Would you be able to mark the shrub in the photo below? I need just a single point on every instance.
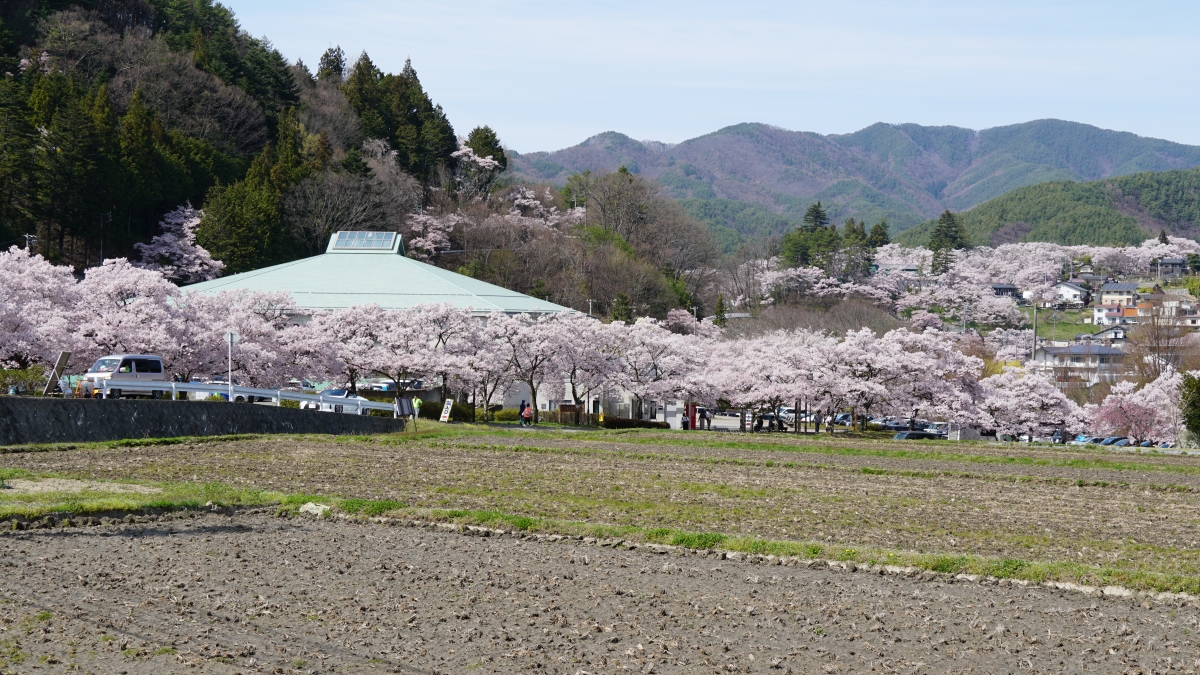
(460, 412)
(506, 415)
(215, 397)
(288, 403)
(26, 380)
(624, 423)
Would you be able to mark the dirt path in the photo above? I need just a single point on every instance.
(257, 593)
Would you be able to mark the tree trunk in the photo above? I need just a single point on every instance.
(533, 400)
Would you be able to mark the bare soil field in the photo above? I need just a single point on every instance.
(1087, 515)
(270, 590)
(256, 592)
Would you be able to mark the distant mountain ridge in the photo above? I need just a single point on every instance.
(907, 173)
(1117, 211)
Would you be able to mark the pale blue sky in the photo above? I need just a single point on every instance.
(546, 75)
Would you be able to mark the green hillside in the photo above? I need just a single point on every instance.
(1124, 210)
(906, 173)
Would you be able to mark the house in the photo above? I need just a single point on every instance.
(1106, 315)
(1085, 364)
(1086, 268)
(1071, 294)
(1006, 290)
(1113, 336)
(1172, 267)
(1118, 294)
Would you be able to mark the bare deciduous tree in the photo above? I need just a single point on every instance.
(330, 201)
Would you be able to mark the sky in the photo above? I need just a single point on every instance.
(547, 75)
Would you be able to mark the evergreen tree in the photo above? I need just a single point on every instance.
(948, 236)
(332, 64)
(621, 310)
(719, 314)
(1189, 404)
(879, 235)
(242, 226)
(813, 243)
(854, 234)
(484, 142)
(1162, 237)
(16, 148)
(815, 218)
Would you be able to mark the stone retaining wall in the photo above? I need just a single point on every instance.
(25, 420)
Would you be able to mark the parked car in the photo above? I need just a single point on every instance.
(338, 401)
(1146, 444)
(1124, 442)
(918, 436)
(1111, 439)
(1081, 440)
(843, 419)
(118, 368)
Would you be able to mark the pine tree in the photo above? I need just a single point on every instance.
(1162, 237)
(16, 144)
(854, 234)
(719, 314)
(332, 64)
(621, 310)
(879, 235)
(484, 142)
(948, 236)
(815, 218)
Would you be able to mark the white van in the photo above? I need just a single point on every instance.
(124, 368)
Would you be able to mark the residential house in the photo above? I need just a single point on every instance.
(1006, 290)
(1086, 364)
(1113, 336)
(1118, 294)
(1172, 267)
(1071, 294)
(1106, 315)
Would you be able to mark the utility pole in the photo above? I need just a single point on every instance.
(30, 240)
(590, 301)
(104, 218)
(1033, 354)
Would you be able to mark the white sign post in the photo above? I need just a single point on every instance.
(230, 338)
(446, 409)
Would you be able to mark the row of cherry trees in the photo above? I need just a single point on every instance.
(120, 308)
(963, 295)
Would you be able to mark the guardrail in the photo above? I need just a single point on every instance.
(236, 393)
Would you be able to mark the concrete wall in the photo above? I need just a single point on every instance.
(48, 420)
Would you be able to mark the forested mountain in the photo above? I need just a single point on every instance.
(1117, 211)
(114, 113)
(906, 173)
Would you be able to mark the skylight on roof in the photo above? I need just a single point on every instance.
(363, 241)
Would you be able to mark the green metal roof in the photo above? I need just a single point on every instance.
(343, 278)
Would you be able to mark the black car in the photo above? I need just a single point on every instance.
(918, 436)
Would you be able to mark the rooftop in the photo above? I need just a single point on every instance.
(360, 268)
(1082, 350)
(1120, 288)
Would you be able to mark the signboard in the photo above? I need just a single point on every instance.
(55, 374)
(446, 409)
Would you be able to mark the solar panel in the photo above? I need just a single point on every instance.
(358, 241)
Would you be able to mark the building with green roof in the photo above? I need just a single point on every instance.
(361, 268)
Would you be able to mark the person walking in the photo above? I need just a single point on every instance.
(521, 413)
(527, 416)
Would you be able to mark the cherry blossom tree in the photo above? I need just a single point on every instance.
(1150, 412)
(423, 342)
(486, 368)
(38, 305)
(584, 357)
(124, 309)
(531, 346)
(651, 362)
(175, 252)
(1020, 402)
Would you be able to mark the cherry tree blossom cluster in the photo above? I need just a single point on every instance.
(963, 296)
(930, 373)
(175, 252)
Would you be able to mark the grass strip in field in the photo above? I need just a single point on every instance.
(174, 496)
(927, 455)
